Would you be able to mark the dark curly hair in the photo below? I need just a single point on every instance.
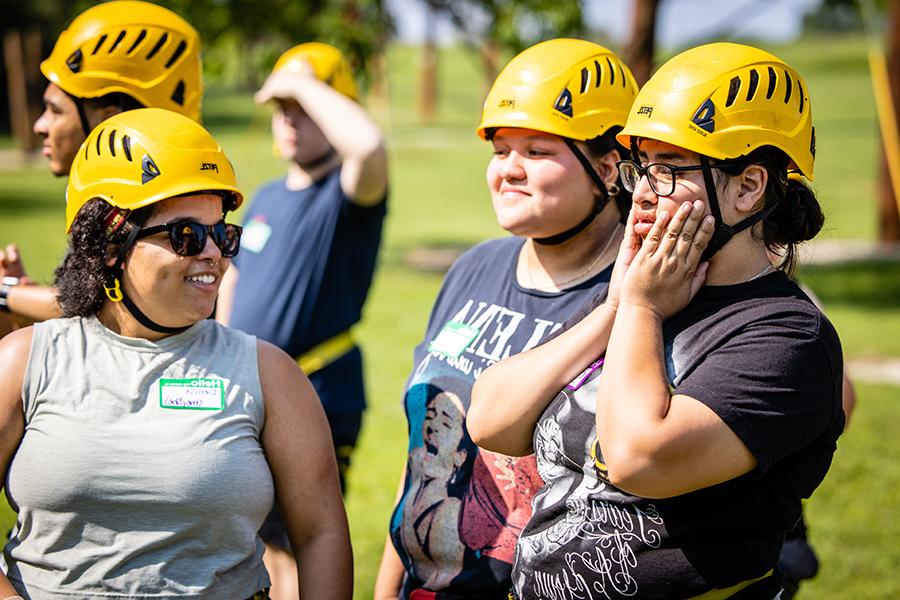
(80, 277)
(796, 215)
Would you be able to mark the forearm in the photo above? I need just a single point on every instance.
(325, 565)
(345, 124)
(390, 573)
(6, 588)
(509, 398)
(33, 302)
(633, 395)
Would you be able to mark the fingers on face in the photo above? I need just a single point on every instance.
(701, 239)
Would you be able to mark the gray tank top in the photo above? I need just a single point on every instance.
(140, 473)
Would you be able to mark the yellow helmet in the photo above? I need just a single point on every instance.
(143, 156)
(572, 88)
(724, 100)
(327, 62)
(133, 47)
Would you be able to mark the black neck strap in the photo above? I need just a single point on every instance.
(600, 201)
(113, 283)
(724, 232)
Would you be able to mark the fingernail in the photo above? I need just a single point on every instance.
(709, 219)
(698, 205)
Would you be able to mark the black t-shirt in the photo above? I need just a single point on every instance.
(769, 364)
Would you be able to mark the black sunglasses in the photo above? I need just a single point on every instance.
(188, 238)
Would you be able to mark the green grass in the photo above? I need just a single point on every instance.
(439, 197)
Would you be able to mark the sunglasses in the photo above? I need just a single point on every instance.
(188, 238)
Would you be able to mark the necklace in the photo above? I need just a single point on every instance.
(761, 273)
(560, 284)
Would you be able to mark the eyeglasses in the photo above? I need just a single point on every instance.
(188, 238)
(660, 175)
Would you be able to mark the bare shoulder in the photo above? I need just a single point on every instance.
(281, 378)
(14, 351)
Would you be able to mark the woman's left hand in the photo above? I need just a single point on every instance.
(666, 272)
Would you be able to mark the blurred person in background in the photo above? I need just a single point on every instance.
(310, 246)
(551, 117)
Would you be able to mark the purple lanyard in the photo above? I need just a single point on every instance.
(584, 376)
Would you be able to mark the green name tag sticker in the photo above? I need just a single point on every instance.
(200, 393)
(453, 339)
(255, 236)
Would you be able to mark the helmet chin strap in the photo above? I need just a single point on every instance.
(600, 202)
(115, 293)
(723, 232)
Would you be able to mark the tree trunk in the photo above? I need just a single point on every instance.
(429, 83)
(640, 49)
(22, 57)
(888, 217)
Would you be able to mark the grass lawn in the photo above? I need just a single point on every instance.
(438, 197)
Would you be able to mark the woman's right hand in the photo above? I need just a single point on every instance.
(628, 249)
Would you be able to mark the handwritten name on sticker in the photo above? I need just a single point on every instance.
(199, 393)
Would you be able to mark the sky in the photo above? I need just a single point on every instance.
(679, 22)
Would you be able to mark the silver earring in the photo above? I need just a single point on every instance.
(612, 190)
(211, 262)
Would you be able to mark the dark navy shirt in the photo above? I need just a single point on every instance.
(306, 263)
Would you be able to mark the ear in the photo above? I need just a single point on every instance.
(751, 188)
(112, 252)
(97, 115)
(606, 167)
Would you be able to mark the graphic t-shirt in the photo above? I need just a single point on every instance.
(306, 263)
(768, 363)
(462, 508)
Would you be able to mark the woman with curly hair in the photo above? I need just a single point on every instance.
(143, 443)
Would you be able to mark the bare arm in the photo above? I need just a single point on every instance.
(509, 398)
(297, 443)
(14, 351)
(391, 570)
(33, 302)
(225, 301)
(346, 125)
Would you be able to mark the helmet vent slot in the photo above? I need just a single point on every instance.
(177, 54)
(136, 43)
(612, 72)
(178, 94)
(802, 99)
(99, 136)
(126, 147)
(99, 44)
(115, 44)
(622, 73)
(585, 80)
(773, 81)
(112, 142)
(733, 88)
(754, 83)
(789, 83)
(159, 44)
(598, 70)
(74, 61)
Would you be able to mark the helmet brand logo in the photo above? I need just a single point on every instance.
(564, 103)
(209, 167)
(149, 168)
(704, 118)
(507, 103)
(645, 110)
(74, 61)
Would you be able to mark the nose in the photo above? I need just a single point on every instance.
(41, 125)
(512, 167)
(643, 193)
(210, 250)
